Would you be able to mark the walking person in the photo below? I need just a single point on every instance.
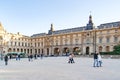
(99, 60)
(16, 57)
(19, 57)
(71, 60)
(41, 55)
(30, 57)
(6, 60)
(95, 64)
(35, 56)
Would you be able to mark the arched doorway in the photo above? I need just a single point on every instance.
(14, 50)
(35, 51)
(17, 49)
(100, 49)
(87, 50)
(107, 48)
(66, 51)
(76, 50)
(9, 50)
(47, 51)
(21, 50)
(56, 51)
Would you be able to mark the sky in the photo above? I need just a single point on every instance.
(36, 16)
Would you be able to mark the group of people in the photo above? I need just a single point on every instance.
(6, 59)
(97, 60)
(71, 60)
(18, 57)
(31, 56)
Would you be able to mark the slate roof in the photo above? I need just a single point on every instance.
(109, 25)
(77, 29)
(39, 34)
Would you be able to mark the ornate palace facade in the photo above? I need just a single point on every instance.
(78, 40)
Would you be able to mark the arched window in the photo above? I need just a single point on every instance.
(100, 48)
(107, 48)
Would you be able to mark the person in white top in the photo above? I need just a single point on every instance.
(71, 60)
(99, 60)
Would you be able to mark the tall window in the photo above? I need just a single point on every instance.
(100, 49)
(100, 40)
(115, 39)
(38, 44)
(107, 48)
(41, 43)
(66, 41)
(107, 39)
(76, 41)
(15, 43)
(35, 44)
(56, 42)
(11, 43)
(25, 44)
(19, 44)
(22, 44)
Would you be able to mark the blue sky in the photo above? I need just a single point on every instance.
(35, 16)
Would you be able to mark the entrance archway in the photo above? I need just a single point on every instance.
(66, 51)
(100, 49)
(47, 51)
(107, 48)
(87, 50)
(76, 50)
(56, 51)
(9, 50)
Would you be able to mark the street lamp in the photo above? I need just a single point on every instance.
(51, 44)
(94, 40)
(1, 54)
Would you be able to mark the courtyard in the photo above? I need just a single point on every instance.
(57, 68)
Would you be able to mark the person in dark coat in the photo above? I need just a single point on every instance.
(30, 56)
(95, 64)
(41, 55)
(35, 56)
(6, 60)
(71, 60)
(19, 57)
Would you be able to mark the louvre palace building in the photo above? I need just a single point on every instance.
(83, 40)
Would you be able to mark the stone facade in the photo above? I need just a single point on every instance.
(79, 40)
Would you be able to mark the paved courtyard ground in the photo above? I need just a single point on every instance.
(57, 68)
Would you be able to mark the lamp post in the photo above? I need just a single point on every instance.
(51, 43)
(1, 54)
(52, 49)
(95, 41)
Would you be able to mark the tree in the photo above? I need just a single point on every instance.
(117, 49)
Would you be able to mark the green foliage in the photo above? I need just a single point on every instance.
(107, 53)
(76, 52)
(117, 49)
